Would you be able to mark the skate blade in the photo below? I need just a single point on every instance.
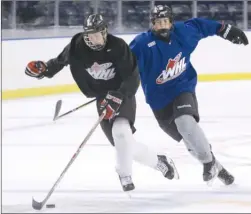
(176, 174)
(210, 182)
(129, 195)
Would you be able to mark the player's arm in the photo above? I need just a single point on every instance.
(128, 70)
(233, 34)
(206, 27)
(138, 48)
(40, 69)
(135, 48)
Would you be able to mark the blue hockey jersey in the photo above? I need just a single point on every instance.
(165, 68)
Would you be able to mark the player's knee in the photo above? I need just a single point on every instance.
(121, 128)
(185, 124)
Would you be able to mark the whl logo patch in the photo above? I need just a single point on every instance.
(173, 69)
(101, 71)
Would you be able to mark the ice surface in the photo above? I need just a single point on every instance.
(36, 150)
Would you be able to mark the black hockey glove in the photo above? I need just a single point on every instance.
(111, 103)
(233, 34)
(36, 69)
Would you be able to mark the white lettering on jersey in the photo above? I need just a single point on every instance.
(173, 69)
(151, 44)
(227, 31)
(184, 106)
(102, 71)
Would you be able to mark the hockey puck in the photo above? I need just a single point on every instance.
(50, 205)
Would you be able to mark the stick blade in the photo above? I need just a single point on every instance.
(57, 110)
(36, 205)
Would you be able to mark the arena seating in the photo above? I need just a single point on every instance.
(135, 14)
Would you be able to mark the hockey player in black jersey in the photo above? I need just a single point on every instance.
(103, 66)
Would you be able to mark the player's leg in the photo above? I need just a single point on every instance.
(165, 118)
(167, 124)
(185, 111)
(186, 116)
(120, 134)
(146, 156)
(141, 153)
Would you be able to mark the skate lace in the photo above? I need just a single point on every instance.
(161, 166)
(126, 180)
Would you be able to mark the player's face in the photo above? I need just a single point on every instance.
(96, 38)
(162, 23)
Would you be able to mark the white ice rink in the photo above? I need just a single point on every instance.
(35, 151)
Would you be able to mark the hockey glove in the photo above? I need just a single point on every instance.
(233, 34)
(36, 69)
(111, 104)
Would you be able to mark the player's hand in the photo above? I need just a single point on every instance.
(233, 34)
(111, 104)
(36, 69)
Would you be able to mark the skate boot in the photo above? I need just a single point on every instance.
(211, 171)
(217, 169)
(225, 177)
(126, 183)
(167, 167)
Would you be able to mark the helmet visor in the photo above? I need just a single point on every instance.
(96, 40)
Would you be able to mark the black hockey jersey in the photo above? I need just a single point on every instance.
(97, 72)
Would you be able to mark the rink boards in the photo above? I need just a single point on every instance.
(215, 59)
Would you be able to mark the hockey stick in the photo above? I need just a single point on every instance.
(58, 107)
(39, 205)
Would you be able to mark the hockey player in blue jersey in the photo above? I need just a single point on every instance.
(169, 80)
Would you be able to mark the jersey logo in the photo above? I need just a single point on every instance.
(151, 44)
(101, 71)
(173, 69)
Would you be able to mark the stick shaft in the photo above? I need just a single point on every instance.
(75, 109)
(73, 158)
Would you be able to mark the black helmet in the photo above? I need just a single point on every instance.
(95, 23)
(161, 11)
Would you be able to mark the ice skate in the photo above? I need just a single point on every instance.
(126, 183)
(167, 167)
(215, 169)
